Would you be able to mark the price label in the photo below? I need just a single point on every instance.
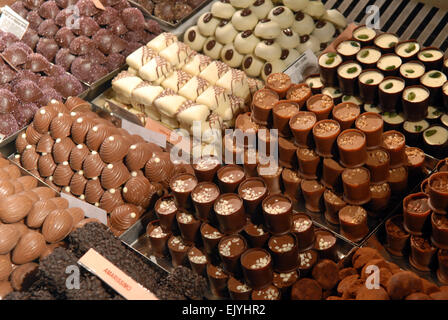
(304, 66)
(123, 284)
(12, 22)
(90, 211)
(149, 135)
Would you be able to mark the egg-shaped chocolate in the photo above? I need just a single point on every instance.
(57, 225)
(139, 191)
(80, 128)
(77, 156)
(93, 191)
(32, 135)
(13, 171)
(40, 210)
(77, 104)
(21, 142)
(44, 193)
(78, 183)
(114, 175)
(110, 200)
(45, 144)
(60, 126)
(29, 247)
(7, 188)
(114, 148)
(50, 183)
(124, 216)
(5, 289)
(96, 135)
(28, 182)
(46, 165)
(24, 276)
(5, 267)
(159, 168)
(61, 149)
(9, 236)
(93, 165)
(30, 195)
(137, 156)
(62, 174)
(29, 157)
(14, 208)
(43, 118)
(77, 215)
(60, 203)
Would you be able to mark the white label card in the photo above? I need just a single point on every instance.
(304, 66)
(90, 211)
(12, 22)
(148, 135)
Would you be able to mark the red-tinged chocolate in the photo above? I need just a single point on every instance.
(15, 54)
(62, 174)
(114, 175)
(277, 212)
(230, 249)
(217, 278)
(308, 162)
(353, 223)
(203, 197)
(333, 204)
(29, 158)
(62, 149)
(93, 165)
(157, 238)
(77, 156)
(230, 213)
(253, 191)
(398, 180)
(278, 82)
(205, 168)
(397, 237)
(312, 192)
(325, 133)
(93, 191)
(47, 48)
(178, 250)
(159, 168)
(110, 200)
(352, 148)
(438, 192)
(301, 125)
(263, 102)
(238, 290)
(284, 251)
(165, 209)
(346, 113)
(299, 93)
(257, 267)
(325, 244)
(416, 212)
(137, 156)
(423, 253)
(230, 177)
(124, 216)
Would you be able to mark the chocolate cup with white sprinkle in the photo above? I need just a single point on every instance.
(325, 244)
(257, 236)
(285, 252)
(230, 249)
(230, 177)
(277, 212)
(166, 213)
(178, 250)
(253, 191)
(257, 268)
(210, 238)
(203, 197)
(182, 185)
(157, 238)
(303, 229)
(188, 226)
(198, 261)
(230, 213)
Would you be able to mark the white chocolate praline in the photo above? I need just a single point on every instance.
(364, 33)
(268, 50)
(177, 53)
(156, 69)
(145, 94)
(214, 71)
(193, 88)
(349, 70)
(152, 112)
(372, 77)
(296, 5)
(171, 122)
(303, 24)
(315, 9)
(241, 3)
(308, 42)
(222, 10)
(289, 56)
(244, 20)
(176, 80)
(282, 15)
(420, 94)
(194, 38)
(267, 29)
(225, 32)
(196, 64)
(235, 83)
(168, 103)
(288, 39)
(389, 62)
(371, 57)
(392, 85)
(407, 49)
(433, 79)
(212, 48)
(123, 85)
(324, 31)
(191, 111)
(348, 48)
(386, 40)
(140, 57)
(252, 65)
(330, 60)
(162, 41)
(430, 55)
(336, 18)
(269, 67)
(245, 42)
(214, 97)
(207, 24)
(412, 70)
(261, 8)
(231, 56)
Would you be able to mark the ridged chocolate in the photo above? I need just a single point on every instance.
(32, 135)
(93, 191)
(97, 135)
(44, 193)
(77, 156)
(45, 144)
(77, 215)
(21, 142)
(159, 168)
(63, 174)
(46, 165)
(29, 157)
(23, 276)
(138, 155)
(111, 199)
(30, 195)
(49, 181)
(135, 138)
(80, 128)
(17, 186)
(93, 165)
(60, 203)
(14, 208)
(28, 182)
(4, 175)
(77, 104)
(57, 225)
(114, 148)
(78, 183)
(13, 171)
(61, 125)
(6, 188)
(124, 216)
(40, 210)
(42, 119)
(29, 247)
(57, 106)
(61, 149)
(139, 191)
(114, 175)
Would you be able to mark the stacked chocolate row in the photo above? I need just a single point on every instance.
(422, 231)
(263, 37)
(229, 226)
(171, 83)
(34, 221)
(87, 41)
(170, 11)
(76, 151)
(405, 81)
(336, 157)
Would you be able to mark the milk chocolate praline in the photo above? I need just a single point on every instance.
(257, 267)
(284, 251)
(312, 192)
(353, 222)
(178, 250)
(439, 236)
(230, 249)
(352, 148)
(157, 238)
(325, 244)
(291, 183)
(238, 290)
(188, 226)
(423, 253)
(333, 203)
(416, 213)
(230, 213)
(397, 237)
(263, 102)
(166, 209)
(253, 191)
(277, 212)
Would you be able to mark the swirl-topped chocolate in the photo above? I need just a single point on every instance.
(93, 165)
(61, 125)
(77, 156)
(114, 148)
(114, 175)
(62, 148)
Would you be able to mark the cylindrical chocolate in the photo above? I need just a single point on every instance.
(182, 184)
(282, 113)
(346, 113)
(166, 209)
(381, 194)
(415, 162)
(253, 191)
(157, 238)
(205, 168)
(378, 163)
(348, 49)
(389, 64)
(230, 249)
(416, 213)
(312, 192)
(325, 133)
(352, 148)
(256, 235)
(331, 174)
(203, 197)
(218, 280)
(422, 253)
(257, 268)
(307, 260)
(303, 229)
(229, 177)
(415, 103)
(279, 83)
(287, 153)
(353, 223)
(263, 102)
(348, 73)
(301, 125)
(389, 92)
(188, 226)
(371, 124)
(321, 105)
(230, 213)
(299, 93)
(308, 163)
(270, 173)
(397, 237)
(439, 236)
(442, 271)
(238, 290)
(386, 42)
(325, 244)
(434, 80)
(398, 180)
(284, 251)
(277, 212)
(368, 57)
(210, 238)
(432, 58)
(328, 65)
(368, 82)
(198, 261)
(407, 50)
(333, 204)
(365, 35)
(291, 183)
(356, 183)
(412, 71)
(394, 143)
(314, 81)
(178, 251)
